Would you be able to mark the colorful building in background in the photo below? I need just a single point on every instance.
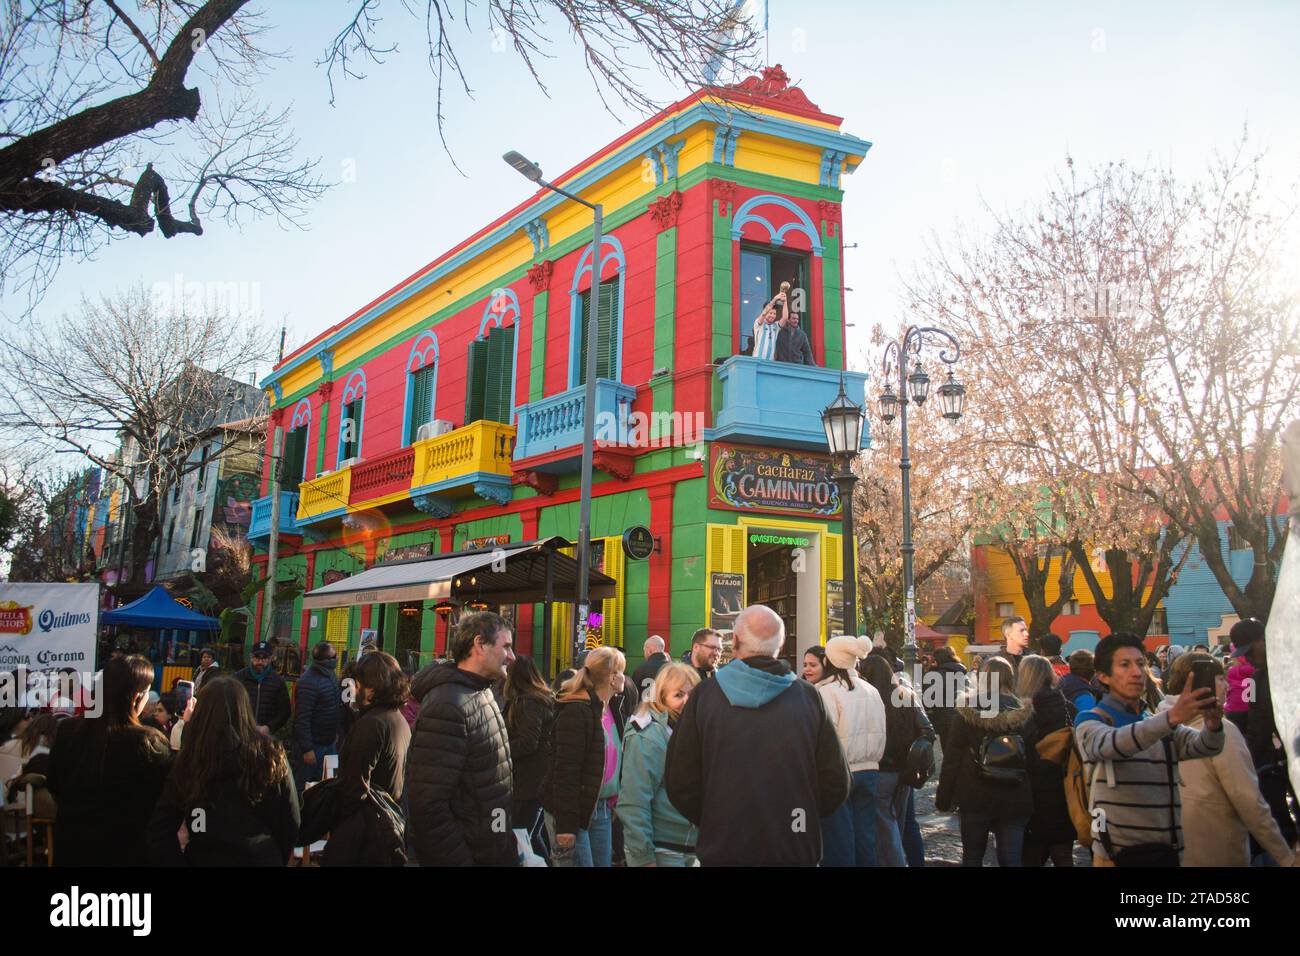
(1195, 611)
(447, 413)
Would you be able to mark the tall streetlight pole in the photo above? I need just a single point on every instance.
(915, 387)
(843, 423)
(532, 172)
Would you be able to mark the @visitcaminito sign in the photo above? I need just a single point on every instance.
(772, 481)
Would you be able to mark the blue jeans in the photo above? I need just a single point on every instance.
(913, 844)
(849, 834)
(891, 810)
(675, 858)
(304, 773)
(592, 847)
(1009, 833)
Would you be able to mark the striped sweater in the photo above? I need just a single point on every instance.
(1126, 762)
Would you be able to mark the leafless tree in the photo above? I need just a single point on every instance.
(104, 132)
(1148, 331)
(152, 380)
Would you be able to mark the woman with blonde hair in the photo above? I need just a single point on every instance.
(1050, 833)
(581, 784)
(654, 832)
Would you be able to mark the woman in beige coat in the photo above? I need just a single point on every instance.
(1222, 806)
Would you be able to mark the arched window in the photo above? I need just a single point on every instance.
(351, 416)
(609, 315)
(294, 455)
(492, 359)
(421, 384)
(766, 262)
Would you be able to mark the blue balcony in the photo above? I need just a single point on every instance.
(550, 429)
(779, 403)
(259, 528)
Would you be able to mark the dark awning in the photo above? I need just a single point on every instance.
(506, 574)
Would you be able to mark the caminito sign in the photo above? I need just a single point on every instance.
(772, 481)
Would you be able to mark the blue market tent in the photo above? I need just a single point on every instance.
(158, 610)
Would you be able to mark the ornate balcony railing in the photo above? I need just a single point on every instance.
(779, 403)
(383, 477)
(555, 423)
(325, 495)
(259, 525)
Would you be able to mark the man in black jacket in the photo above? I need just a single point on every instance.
(755, 762)
(792, 343)
(459, 774)
(316, 719)
(643, 677)
(266, 691)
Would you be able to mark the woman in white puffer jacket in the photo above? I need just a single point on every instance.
(858, 713)
(1221, 803)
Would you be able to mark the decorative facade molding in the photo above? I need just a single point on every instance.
(616, 464)
(536, 231)
(277, 390)
(494, 491)
(326, 359)
(831, 166)
(775, 83)
(433, 505)
(662, 158)
(724, 191)
(277, 416)
(665, 210)
(724, 145)
(324, 389)
(542, 482)
(539, 275)
(830, 216)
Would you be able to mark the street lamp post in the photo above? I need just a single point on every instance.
(843, 423)
(915, 387)
(532, 172)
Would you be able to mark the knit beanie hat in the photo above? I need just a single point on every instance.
(845, 652)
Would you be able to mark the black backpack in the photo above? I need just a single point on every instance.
(1000, 758)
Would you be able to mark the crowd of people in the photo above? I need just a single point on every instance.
(478, 760)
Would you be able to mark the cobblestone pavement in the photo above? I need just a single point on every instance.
(942, 834)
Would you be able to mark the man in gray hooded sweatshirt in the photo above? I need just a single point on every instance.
(755, 762)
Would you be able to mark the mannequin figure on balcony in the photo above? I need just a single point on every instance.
(767, 325)
(792, 343)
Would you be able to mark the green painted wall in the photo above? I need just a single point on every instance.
(537, 360)
(689, 541)
(832, 281)
(665, 322)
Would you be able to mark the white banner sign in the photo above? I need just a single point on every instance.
(48, 625)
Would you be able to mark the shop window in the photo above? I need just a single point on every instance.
(284, 620)
(609, 335)
(490, 375)
(607, 557)
(762, 270)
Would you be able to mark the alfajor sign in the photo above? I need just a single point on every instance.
(48, 625)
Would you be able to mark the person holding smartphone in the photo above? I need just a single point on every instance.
(1222, 804)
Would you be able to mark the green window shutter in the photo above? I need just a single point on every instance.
(607, 342)
(501, 346)
(422, 400)
(475, 375)
(353, 413)
(293, 458)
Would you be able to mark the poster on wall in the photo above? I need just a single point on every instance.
(727, 597)
(834, 607)
(772, 481)
(48, 625)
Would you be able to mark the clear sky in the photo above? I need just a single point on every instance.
(964, 102)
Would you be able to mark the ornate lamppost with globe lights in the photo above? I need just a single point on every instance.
(843, 423)
(916, 388)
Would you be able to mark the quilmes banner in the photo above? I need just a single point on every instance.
(48, 626)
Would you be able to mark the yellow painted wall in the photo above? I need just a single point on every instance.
(628, 185)
(1003, 586)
